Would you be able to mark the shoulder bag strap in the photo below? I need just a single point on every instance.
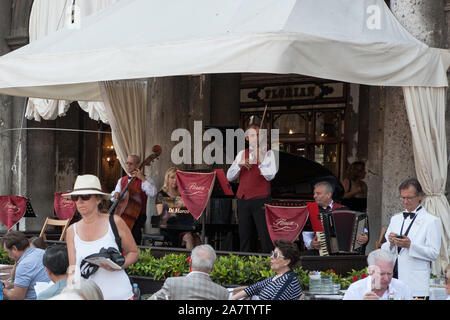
(116, 233)
(285, 284)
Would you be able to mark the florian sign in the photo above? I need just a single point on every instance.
(293, 92)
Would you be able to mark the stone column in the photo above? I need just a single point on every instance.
(174, 103)
(225, 99)
(390, 145)
(427, 21)
(6, 108)
(225, 107)
(18, 36)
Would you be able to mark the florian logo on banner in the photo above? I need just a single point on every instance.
(12, 209)
(285, 222)
(64, 207)
(195, 189)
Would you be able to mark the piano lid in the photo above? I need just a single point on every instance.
(297, 176)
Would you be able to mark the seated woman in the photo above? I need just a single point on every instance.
(355, 196)
(169, 198)
(282, 286)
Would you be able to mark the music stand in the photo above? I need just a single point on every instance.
(29, 213)
(221, 189)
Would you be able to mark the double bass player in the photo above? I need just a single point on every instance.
(140, 188)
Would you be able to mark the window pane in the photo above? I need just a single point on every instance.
(327, 125)
(327, 155)
(293, 123)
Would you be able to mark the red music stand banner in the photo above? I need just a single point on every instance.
(12, 209)
(223, 182)
(285, 222)
(195, 189)
(64, 207)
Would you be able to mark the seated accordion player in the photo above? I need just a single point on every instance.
(338, 230)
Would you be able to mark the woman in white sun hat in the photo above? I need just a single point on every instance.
(93, 232)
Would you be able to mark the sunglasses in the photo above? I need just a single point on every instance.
(276, 255)
(84, 197)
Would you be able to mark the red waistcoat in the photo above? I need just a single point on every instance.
(137, 186)
(251, 183)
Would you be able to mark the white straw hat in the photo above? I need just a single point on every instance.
(87, 184)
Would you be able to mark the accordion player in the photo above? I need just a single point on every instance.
(338, 231)
(341, 229)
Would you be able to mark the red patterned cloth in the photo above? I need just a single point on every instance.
(12, 209)
(195, 189)
(64, 207)
(285, 222)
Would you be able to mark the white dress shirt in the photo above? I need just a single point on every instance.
(268, 167)
(148, 187)
(360, 288)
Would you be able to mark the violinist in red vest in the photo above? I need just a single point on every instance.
(323, 202)
(142, 184)
(255, 167)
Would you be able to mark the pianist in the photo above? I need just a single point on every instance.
(170, 209)
(323, 202)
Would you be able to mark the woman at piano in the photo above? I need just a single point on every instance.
(284, 285)
(168, 202)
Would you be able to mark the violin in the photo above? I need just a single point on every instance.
(129, 204)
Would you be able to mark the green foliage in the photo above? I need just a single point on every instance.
(4, 259)
(228, 270)
(233, 269)
(303, 277)
(171, 265)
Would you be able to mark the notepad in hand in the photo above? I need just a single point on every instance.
(106, 261)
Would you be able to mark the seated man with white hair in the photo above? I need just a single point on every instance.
(379, 285)
(197, 285)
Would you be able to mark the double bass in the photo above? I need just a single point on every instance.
(129, 205)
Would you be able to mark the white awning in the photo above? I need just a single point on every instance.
(346, 40)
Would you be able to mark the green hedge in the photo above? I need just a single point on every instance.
(4, 257)
(228, 270)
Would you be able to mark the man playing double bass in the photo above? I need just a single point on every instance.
(141, 188)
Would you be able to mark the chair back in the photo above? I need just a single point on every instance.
(381, 239)
(57, 223)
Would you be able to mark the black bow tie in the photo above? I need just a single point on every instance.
(408, 214)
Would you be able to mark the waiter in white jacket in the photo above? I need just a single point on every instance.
(415, 237)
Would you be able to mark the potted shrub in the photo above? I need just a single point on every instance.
(4, 259)
(229, 271)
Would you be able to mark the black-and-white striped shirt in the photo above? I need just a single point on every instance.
(268, 289)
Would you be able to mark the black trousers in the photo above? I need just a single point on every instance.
(136, 231)
(252, 225)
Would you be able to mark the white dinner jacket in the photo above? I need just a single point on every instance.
(414, 263)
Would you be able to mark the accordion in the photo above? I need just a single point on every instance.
(340, 231)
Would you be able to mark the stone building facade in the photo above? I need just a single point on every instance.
(376, 128)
